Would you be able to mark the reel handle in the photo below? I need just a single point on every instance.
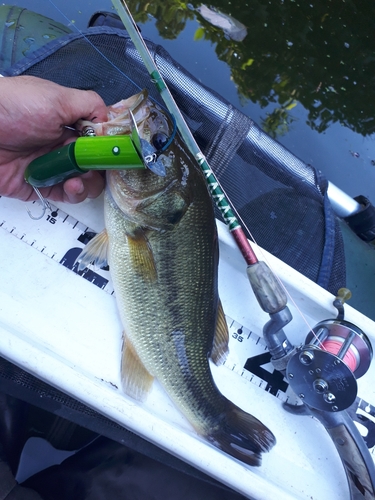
(354, 454)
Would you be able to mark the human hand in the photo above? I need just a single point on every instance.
(34, 114)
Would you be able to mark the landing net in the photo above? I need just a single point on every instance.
(281, 199)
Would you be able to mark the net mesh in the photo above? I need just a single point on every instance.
(280, 198)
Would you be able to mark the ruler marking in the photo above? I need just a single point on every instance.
(36, 233)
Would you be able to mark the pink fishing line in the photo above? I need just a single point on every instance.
(334, 346)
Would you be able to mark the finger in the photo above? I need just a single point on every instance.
(84, 104)
(89, 185)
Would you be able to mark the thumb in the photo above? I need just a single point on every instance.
(85, 104)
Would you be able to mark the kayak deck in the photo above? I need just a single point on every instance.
(66, 331)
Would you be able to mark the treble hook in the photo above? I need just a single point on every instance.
(45, 205)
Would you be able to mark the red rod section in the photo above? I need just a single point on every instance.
(244, 246)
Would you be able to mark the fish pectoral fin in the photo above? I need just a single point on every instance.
(136, 380)
(221, 339)
(95, 251)
(141, 256)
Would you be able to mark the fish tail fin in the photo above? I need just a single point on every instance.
(241, 435)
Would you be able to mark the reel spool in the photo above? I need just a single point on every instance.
(323, 372)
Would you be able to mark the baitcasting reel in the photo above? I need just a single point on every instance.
(323, 372)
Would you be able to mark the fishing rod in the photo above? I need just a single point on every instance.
(268, 290)
(322, 353)
(215, 189)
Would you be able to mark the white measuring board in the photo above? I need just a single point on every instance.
(64, 328)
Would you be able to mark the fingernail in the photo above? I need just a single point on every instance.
(81, 188)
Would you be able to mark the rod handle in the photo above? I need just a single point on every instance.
(355, 456)
(267, 289)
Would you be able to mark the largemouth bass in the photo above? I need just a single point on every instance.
(161, 244)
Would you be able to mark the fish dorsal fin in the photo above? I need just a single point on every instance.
(136, 380)
(221, 339)
(95, 251)
(142, 256)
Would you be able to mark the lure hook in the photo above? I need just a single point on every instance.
(45, 205)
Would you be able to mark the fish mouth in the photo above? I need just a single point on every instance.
(119, 120)
(133, 104)
(154, 139)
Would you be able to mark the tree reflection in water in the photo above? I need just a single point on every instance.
(319, 54)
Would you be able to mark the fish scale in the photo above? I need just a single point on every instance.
(174, 281)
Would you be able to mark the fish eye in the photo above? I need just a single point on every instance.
(159, 140)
